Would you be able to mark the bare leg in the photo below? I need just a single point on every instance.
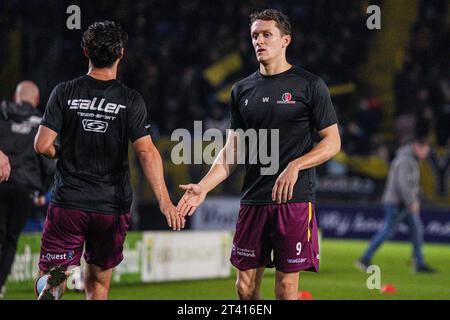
(286, 285)
(97, 282)
(248, 284)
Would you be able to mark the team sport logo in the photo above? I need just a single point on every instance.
(95, 125)
(286, 98)
(95, 104)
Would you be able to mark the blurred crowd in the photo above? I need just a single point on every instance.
(423, 86)
(422, 98)
(173, 44)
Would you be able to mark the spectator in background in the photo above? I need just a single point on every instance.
(364, 128)
(19, 121)
(440, 104)
(404, 127)
(217, 119)
(401, 202)
(189, 37)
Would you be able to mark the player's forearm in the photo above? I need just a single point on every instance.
(220, 170)
(320, 153)
(151, 163)
(44, 142)
(49, 152)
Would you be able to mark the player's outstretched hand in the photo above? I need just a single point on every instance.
(192, 198)
(284, 186)
(174, 220)
(5, 168)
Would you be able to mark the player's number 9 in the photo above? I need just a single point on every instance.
(299, 248)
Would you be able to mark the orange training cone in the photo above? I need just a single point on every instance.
(388, 288)
(305, 295)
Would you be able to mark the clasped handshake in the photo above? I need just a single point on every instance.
(195, 194)
(192, 198)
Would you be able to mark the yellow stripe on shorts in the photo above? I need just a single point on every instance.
(309, 219)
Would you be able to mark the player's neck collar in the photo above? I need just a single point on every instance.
(276, 75)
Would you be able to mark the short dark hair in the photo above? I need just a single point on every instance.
(281, 20)
(103, 42)
(421, 132)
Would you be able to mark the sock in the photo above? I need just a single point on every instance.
(41, 283)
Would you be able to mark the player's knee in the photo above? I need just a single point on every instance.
(96, 290)
(93, 282)
(245, 289)
(286, 289)
(95, 286)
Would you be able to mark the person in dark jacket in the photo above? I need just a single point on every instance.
(30, 172)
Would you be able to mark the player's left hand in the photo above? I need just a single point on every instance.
(174, 220)
(284, 186)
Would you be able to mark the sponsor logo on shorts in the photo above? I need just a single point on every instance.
(70, 254)
(57, 256)
(244, 252)
(297, 260)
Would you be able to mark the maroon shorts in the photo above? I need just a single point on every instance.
(68, 231)
(289, 230)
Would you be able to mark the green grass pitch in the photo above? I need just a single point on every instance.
(337, 279)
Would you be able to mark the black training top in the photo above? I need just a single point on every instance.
(19, 124)
(95, 120)
(295, 102)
